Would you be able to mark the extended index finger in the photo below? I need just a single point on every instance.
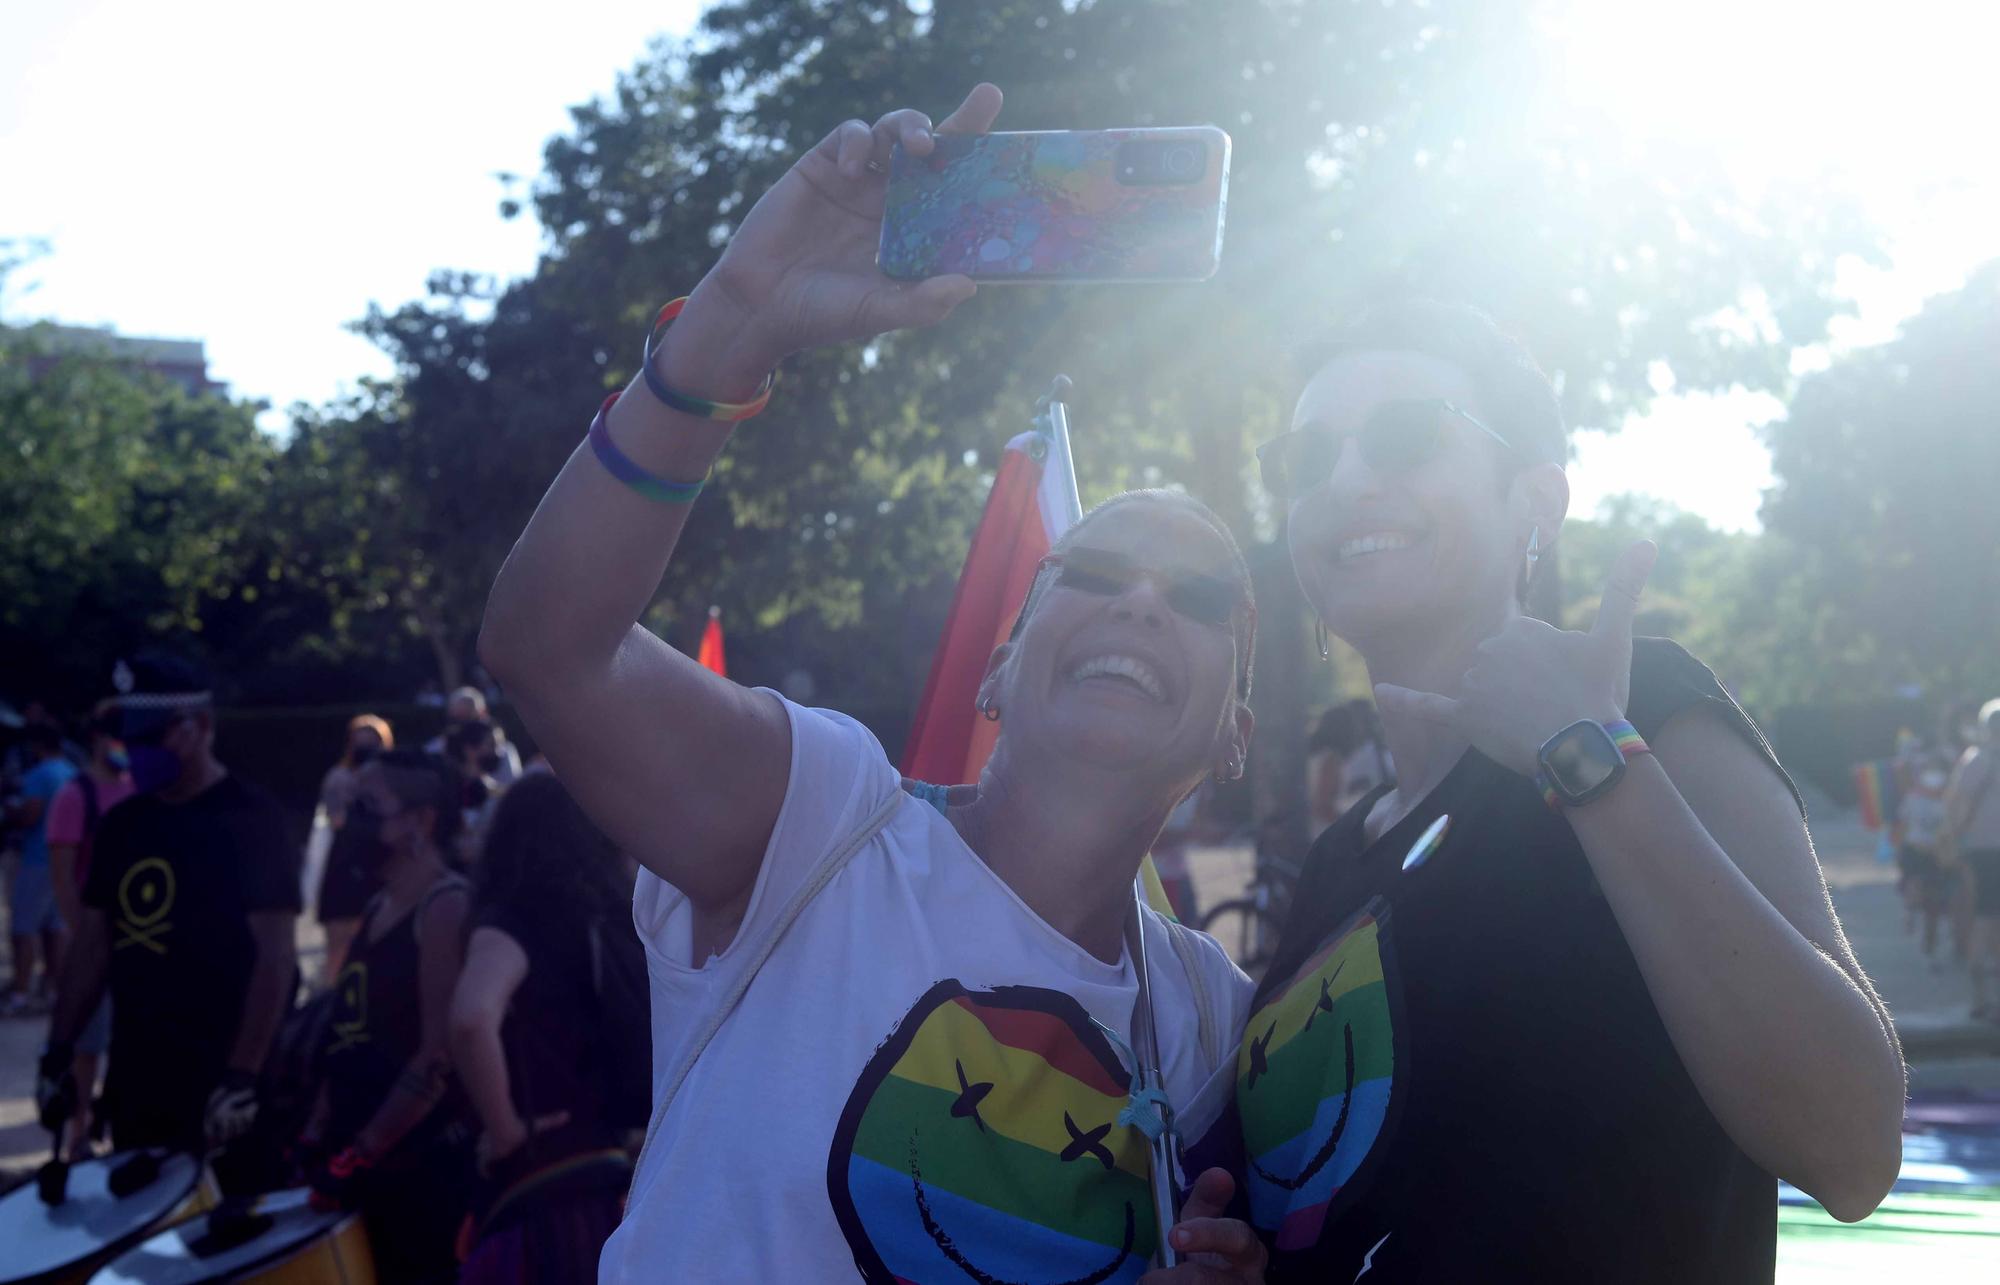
(976, 114)
(1622, 588)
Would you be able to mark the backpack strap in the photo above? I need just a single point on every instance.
(88, 788)
(754, 962)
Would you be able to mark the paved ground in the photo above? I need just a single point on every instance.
(1947, 1049)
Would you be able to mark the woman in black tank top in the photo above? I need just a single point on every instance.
(1510, 1039)
(389, 1121)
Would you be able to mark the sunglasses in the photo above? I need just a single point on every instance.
(1204, 599)
(1394, 439)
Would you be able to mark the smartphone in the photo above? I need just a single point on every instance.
(1059, 206)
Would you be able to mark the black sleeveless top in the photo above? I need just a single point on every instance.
(1453, 1070)
(377, 1026)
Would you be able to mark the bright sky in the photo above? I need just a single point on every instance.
(254, 175)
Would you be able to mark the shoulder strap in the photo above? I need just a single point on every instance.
(1209, 1021)
(449, 883)
(88, 788)
(754, 961)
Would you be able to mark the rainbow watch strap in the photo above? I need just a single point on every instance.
(621, 466)
(1625, 736)
(700, 407)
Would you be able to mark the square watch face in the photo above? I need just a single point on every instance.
(1581, 759)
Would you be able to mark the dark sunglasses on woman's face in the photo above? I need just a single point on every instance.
(1204, 599)
(1394, 439)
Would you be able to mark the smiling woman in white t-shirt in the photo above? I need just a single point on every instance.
(928, 1075)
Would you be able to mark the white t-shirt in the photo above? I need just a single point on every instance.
(912, 1086)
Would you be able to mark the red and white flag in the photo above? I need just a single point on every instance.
(1032, 503)
(709, 655)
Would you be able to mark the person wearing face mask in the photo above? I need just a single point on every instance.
(353, 863)
(189, 909)
(932, 1074)
(74, 816)
(1563, 1002)
(387, 1136)
(471, 749)
(467, 705)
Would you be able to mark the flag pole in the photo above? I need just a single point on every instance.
(1145, 1037)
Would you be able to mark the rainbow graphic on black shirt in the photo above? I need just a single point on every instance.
(1313, 1082)
(982, 1143)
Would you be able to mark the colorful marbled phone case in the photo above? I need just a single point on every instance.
(1053, 207)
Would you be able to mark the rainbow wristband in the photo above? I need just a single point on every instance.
(699, 407)
(1625, 736)
(621, 466)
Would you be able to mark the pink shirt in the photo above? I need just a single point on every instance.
(65, 818)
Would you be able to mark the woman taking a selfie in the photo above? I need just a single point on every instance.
(1559, 1003)
(930, 1077)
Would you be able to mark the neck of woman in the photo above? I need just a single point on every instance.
(1068, 843)
(409, 874)
(1433, 657)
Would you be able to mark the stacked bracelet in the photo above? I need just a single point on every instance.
(621, 466)
(700, 407)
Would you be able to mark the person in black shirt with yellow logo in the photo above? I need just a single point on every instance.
(189, 910)
(389, 1126)
(1560, 1002)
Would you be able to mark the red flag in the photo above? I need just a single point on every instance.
(1025, 513)
(710, 655)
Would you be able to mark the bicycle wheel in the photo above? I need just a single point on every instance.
(1247, 932)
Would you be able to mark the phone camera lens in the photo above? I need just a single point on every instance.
(1182, 160)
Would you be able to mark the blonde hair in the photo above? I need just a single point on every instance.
(374, 723)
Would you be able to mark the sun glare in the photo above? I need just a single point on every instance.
(1865, 92)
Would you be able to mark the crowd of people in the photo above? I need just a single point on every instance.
(460, 1070)
(1943, 830)
(1561, 999)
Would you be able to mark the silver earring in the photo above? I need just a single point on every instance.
(990, 710)
(1534, 546)
(1319, 636)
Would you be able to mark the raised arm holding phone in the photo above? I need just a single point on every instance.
(931, 1076)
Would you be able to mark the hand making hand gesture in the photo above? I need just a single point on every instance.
(1531, 680)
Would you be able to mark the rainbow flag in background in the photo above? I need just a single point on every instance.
(982, 1141)
(1874, 789)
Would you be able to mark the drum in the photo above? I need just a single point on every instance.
(62, 1243)
(288, 1243)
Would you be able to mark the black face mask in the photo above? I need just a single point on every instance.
(489, 762)
(362, 754)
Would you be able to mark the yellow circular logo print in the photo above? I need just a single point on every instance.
(146, 893)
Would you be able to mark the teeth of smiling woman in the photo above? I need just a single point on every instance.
(1372, 544)
(1122, 667)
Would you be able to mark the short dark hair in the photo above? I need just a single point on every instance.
(1514, 397)
(420, 780)
(1239, 567)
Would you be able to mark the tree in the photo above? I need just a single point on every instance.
(131, 508)
(1886, 465)
(1379, 149)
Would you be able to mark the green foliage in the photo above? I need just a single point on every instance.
(132, 510)
(1887, 465)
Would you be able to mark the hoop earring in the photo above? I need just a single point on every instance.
(1534, 547)
(1319, 636)
(990, 710)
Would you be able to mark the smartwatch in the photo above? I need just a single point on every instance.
(1584, 760)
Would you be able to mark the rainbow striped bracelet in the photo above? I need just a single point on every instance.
(621, 466)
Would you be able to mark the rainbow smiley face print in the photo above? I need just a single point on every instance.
(1313, 1081)
(982, 1143)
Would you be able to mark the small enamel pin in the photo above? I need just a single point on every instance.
(1428, 842)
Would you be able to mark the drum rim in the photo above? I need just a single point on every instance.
(120, 1245)
(274, 1257)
